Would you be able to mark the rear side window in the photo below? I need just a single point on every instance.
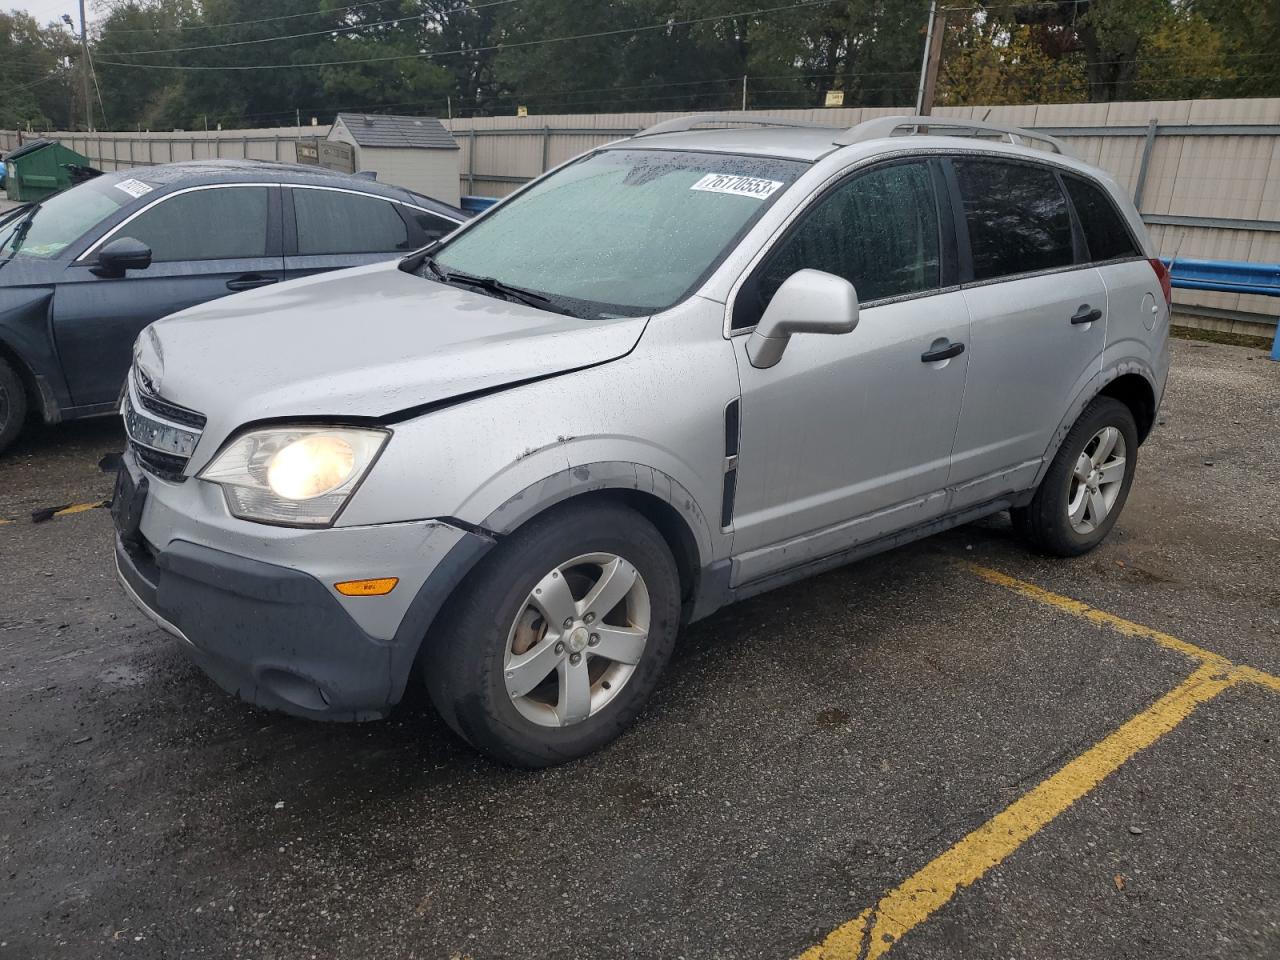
(1017, 217)
(227, 223)
(878, 230)
(1105, 231)
(331, 222)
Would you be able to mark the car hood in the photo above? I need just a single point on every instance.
(367, 342)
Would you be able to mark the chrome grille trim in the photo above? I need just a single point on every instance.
(162, 445)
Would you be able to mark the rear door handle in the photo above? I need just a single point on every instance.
(942, 353)
(1086, 315)
(250, 280)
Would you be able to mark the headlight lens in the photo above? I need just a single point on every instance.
(300, 476)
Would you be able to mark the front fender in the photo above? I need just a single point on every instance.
(25, 338)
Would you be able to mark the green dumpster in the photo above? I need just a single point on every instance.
(40, 169)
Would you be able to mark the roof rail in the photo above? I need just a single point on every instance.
(678, 124)
(882, 127)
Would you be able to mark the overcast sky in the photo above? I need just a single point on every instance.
(46, 10)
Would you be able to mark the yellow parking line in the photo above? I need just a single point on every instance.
(1126, 627)
(1093, 615)
(79, 508)
(874, 931)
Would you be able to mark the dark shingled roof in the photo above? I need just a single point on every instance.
(380, 130)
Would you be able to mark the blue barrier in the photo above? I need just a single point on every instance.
(1228, 276)
(477, 204)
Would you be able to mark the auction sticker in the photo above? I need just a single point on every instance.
(738, 186)
(134, 188)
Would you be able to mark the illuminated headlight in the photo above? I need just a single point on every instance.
(299, 476)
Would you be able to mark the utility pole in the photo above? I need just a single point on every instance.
(744, 91)
(932, 60)
(84, 69)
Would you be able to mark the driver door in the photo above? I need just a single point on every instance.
(206, 242)
(849, 437)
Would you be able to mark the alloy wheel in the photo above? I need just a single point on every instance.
(1096, 480)
(577, 639)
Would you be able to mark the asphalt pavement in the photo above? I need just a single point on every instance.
(956, 750)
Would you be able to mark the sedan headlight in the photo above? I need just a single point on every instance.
(299, 476)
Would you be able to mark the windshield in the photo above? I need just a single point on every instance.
(621, 232)
(63, 219)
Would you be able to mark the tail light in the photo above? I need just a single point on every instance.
(1166, 281)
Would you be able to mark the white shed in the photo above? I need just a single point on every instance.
(417, 153)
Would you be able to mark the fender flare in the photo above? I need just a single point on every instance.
(604, 475)
(412, 635)
(1086, 395)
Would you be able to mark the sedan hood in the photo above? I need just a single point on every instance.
(368, 342)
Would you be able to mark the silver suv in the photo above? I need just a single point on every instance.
(677, 371)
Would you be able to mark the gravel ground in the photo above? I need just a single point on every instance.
(808, 751)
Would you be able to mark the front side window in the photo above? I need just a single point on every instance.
(333, 222)
(878, 230)
(1105, 231)
(1017, 218)
(623, 231)
(62, 219)
(223, 223)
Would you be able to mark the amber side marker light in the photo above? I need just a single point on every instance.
(378, 587)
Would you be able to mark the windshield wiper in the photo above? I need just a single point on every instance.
(20, 233)
(493, 285)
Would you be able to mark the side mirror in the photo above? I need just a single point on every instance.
(121, 254)
(809, 301)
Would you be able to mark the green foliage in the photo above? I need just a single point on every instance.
(490, 56)
(35, 72)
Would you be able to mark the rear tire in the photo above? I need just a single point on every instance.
(521, 664)
(13, 404)
(1085, 488)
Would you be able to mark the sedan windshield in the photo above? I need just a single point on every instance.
(621, 232)
(62, 219)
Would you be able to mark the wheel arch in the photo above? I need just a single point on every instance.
(1136, 393)
(1131, 382)
(655, 495)
(650, 492)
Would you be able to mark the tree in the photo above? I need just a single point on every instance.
(35, 73)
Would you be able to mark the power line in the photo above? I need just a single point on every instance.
(666, 25)
(328, 31)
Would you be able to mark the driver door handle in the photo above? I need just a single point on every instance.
(249, 281)
(942, 353)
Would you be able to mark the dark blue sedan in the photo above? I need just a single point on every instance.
(82, 273)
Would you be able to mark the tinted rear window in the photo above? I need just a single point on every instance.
(330, 222)
(1017, 217)
(1105, 231)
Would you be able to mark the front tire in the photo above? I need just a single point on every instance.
(1085, 488)
(557, 639)
(13, 404)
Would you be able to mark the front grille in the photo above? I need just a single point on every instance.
(166, 466)
(170, 411)
(162, 435)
